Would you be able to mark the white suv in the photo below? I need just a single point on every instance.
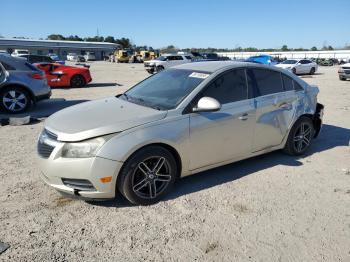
(166, 61)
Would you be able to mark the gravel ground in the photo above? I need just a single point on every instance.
(269, 208)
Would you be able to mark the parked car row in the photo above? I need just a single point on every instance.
(89, 56)
(23, 84)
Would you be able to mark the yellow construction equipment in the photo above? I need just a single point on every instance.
(123, 56)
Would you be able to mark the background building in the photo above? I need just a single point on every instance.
(60, 48)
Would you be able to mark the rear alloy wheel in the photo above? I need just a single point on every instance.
(15, 100)
(300, 137)
(148, 175)
(77, 81)
(312, 71)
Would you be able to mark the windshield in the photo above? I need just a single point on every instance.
(165, 90)
(161, 58)
(290, 62)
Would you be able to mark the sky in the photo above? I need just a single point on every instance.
(185, 23)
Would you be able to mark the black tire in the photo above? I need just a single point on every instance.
(342, 78)
(300, 137)
(312, 71)
(77, 81)
(20, 97)
(160, 68)
(294, 71)
(140, 183)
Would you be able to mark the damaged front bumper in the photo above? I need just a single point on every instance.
(318, 119)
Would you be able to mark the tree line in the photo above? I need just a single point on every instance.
(124, 42)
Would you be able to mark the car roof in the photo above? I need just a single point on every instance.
(18, 63)
(213, 66)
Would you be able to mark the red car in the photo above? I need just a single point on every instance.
(65, 76)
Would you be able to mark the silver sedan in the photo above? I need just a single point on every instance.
(181, 121)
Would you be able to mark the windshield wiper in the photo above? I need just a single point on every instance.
(126, 96)
(142, 102)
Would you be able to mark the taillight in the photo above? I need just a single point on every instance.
(37, 76)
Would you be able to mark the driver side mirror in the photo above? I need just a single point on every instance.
(207, 104)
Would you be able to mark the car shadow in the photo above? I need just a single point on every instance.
(44, 108)
(330, 137)
(103, 84)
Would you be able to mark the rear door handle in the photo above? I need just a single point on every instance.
(243, 117)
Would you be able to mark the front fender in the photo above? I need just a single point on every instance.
(174, 133)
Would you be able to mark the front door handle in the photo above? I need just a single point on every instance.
(243, 117)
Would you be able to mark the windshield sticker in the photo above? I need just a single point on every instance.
(199, 75)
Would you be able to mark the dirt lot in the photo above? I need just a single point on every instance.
(269, 208)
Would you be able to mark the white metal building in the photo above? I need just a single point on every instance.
(61, 48)
(339, 54)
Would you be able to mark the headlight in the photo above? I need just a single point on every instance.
(341, 70)
(84, 149)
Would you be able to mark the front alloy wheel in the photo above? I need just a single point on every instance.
(151, 177)
(15, 100)
(147, 175)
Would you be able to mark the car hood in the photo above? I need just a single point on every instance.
(285, 65)
(99, 117)
(345, 65)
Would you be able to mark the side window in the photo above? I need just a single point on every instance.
(297, 87)
(287, 83)
(265, 81)
(228, 88)
(47, 59)
(7, 66)
(188, 57)
(304, 62)
(179, 58)
(171, 58)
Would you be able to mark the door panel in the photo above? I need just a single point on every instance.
(274, 107)
(274, 114)
(219, 136)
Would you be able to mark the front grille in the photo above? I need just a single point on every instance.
(345, 67)
(50, 135)
(79, 184)
(46, 143)
(45, 150)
